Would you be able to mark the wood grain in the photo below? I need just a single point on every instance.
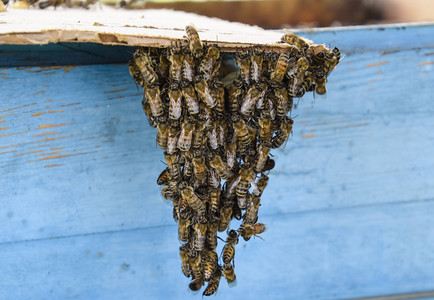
(349, 205)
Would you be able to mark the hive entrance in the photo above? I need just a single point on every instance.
(218, 116)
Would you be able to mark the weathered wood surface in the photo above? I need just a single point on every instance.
(349, 205)
(151, 27)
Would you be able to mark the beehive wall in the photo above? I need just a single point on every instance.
(349, 205)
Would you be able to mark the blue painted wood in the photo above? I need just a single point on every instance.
(65, 54)
(348, 206)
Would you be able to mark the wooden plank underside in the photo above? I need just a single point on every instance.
(349, 205)
(151, 27)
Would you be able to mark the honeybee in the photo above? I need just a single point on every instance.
(190, 99)
(214, 282)
(196, 264)
(251, 215)
(265, 132)
(221, 167)
(199, 168)
(213, 179)
(188, 67)
(212, 137)
(283, 133)
(211, 235)
(234, 91)
(209, 264)
(249, 101)
(304, 87)
(203, 91)
(292, 39)
(172, 140)
(187, 170)
(269, 164)
(185, 265)
(163, 68)
(247, 230)
(144, 64)
(184, 140)
(2, 7)
(280, 69)
(162, 135)
(176, 59)
(175, 211)
(47, 3)
(243, 134)
(135, 73)
(199, 234)
(320, 85)
(175, 108)
(246, 176)
(318, 58)
(242, 59)
(218, 93)
(263, 152)
(299, 76)
(147, 109)
(196, 46)
(167, 192)
(183, 229)
(231, 151)
(193, 200)
(195, 284)
(225, 218)
(152, 94)
(214, 201)
(164, 177)
(256, 65)
(198, 135)
(332, 59)
(283, 102)
(229, 274)
(184, 210)
(173, 167)
(210, 63)
(229, 248)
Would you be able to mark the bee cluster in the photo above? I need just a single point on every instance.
(217, 136)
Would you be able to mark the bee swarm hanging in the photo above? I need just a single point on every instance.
(217, 132)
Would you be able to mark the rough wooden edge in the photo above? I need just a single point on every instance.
(155, 28)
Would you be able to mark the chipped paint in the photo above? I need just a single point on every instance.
(14, 145)
(115, 91)
(30, 152)
(307, 136)
(64, 105)
(3, 128)
(46, 133)
(50, 139)
(4, 152)
(50, 153)
(424, 63)
(12, 108)
(51, 111)
(377, 64)
(119, 97)
(56, 148)
(38, 114)
(61, 156)
(39, 92)
(52, 125)
(53, 165)
(12, 133)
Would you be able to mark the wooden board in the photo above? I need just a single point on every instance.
(152, 27)
(349, 206)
